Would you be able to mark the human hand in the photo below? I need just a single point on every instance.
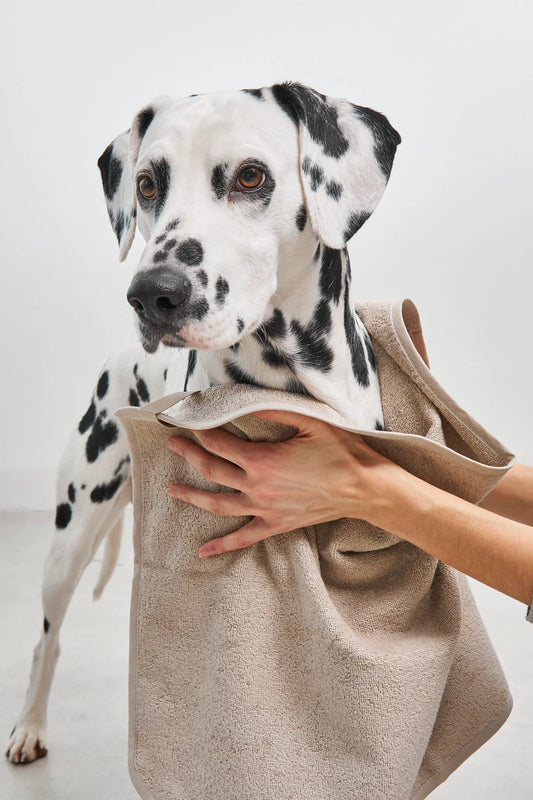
(319, 474)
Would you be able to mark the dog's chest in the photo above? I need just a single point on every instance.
(261, 362)
(254, 362)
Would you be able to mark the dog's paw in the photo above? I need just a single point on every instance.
(26, 744)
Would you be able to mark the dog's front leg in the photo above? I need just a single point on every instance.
(92, 490)
(66, 561)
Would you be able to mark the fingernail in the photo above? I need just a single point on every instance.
(206, 551)
(173, 491)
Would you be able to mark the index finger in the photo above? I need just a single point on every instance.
(225, 444)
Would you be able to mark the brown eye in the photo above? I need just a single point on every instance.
(249, 178)
(146, 186)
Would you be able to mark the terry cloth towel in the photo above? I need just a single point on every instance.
(335, 662)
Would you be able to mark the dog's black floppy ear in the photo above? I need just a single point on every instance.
(116, 171)
(116, 167)
(346, 155)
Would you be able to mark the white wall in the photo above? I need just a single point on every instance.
(452, 231)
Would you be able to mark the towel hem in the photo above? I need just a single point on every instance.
(462, 755)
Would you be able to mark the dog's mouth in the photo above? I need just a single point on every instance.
(152, 335)
(194, 336)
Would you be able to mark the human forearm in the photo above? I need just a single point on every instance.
(513, 496)
(494, 550)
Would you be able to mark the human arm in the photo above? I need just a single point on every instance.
(493, 549)
(512, 497)
(324, 473)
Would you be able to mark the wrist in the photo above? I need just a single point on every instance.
(393, 497)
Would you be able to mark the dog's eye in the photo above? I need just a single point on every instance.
(146, 186)
(249, 178)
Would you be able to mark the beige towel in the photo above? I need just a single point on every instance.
(335, 662)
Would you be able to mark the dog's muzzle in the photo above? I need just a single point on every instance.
(160, 299)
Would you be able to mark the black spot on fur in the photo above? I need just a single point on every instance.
(240, 325)
(63, 515)
(88, 418)
(119, 225)
(237, 374)
(159, 255)
(316, 174)
(334, 190)
(219, 181)
(110, 171)
(370, 352)
(311, 108)
(331, 274)
(296, 387)
(301, 218)
(105, 491)
(272, 329)
(355, 343)
(169, 245)
(165, 373)
(354, 223)
(191, 363)
(202, 277)
(161, 170)
(386, 138)
(317, 177)
(102, 436)
(254, 92)
(317, 253)
(348, 266)
(172, 224)
(134, 398)
(222, 288)
(83, 486)
(144, 120)
(71, 493)
(275, 327)
(234, 347)
(190, 252)
(313, 349)
(121, 465)
(46, 625)
(378, 426)
(199, 309)
(103, 385)
(276, 358)
(160, 238)
(322, 317)
(142, 390)
(135, 368)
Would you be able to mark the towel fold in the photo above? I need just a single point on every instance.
(335, 662)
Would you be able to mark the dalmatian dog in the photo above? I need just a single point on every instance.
(246, 201)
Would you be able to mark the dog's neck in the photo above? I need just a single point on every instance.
(311, 341)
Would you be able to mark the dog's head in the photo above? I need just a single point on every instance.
(225, 188)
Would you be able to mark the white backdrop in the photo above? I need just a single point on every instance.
(452, 230)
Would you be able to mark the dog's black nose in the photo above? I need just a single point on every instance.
(159, 296)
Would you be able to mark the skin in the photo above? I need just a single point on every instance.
(323, 473)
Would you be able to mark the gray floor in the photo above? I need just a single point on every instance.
(88, 711)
